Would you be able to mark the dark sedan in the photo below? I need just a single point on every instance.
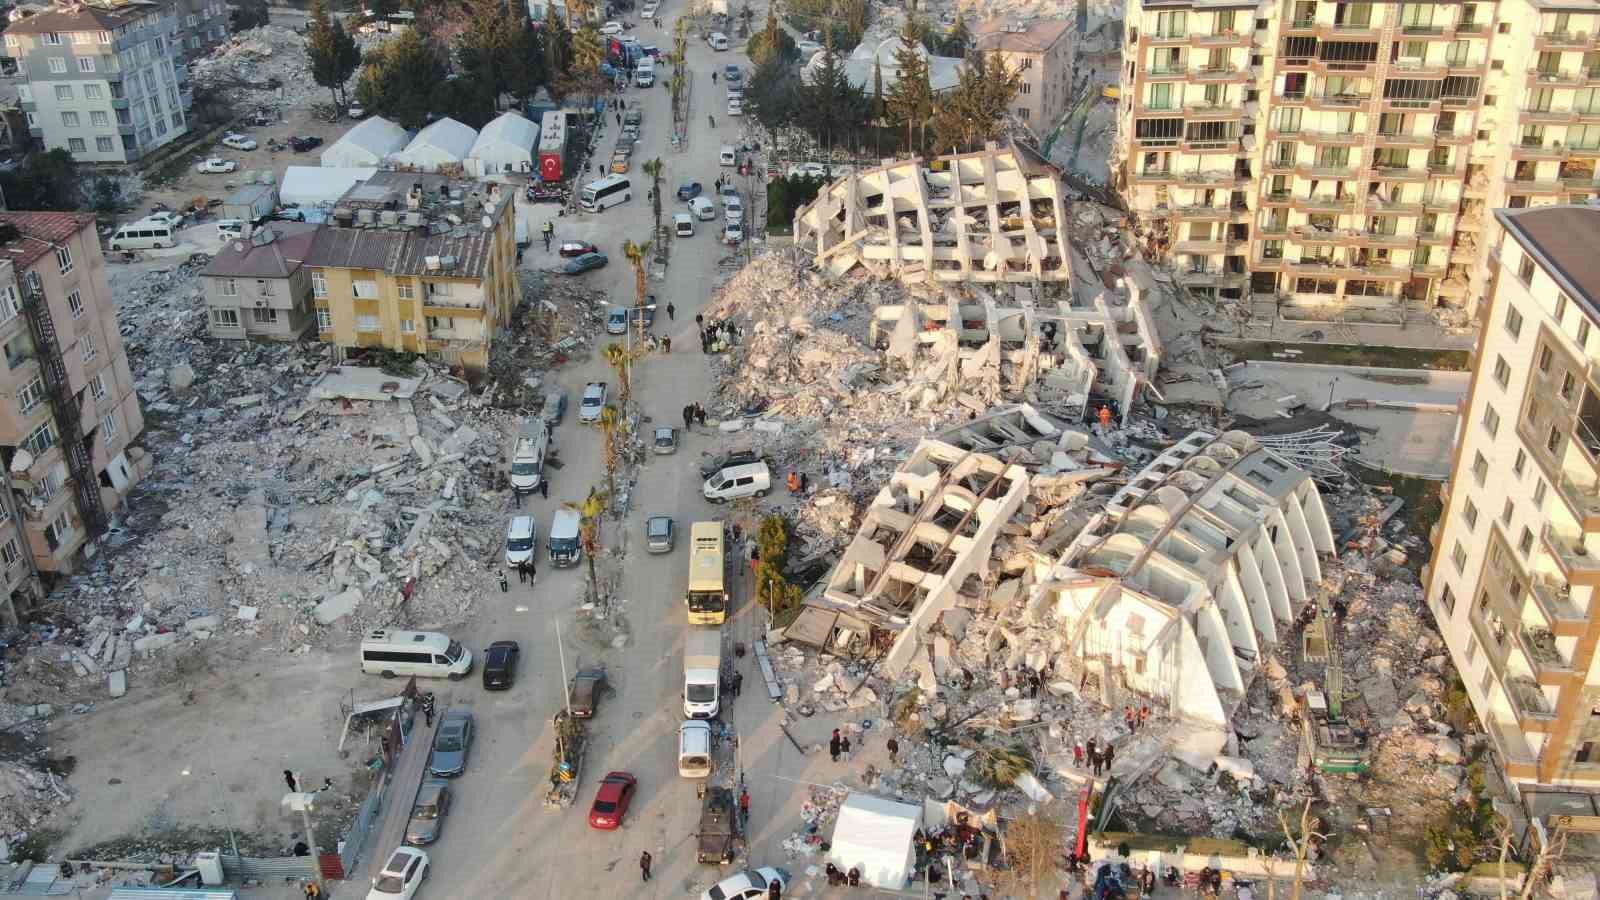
(300, 143)
(570, 249)
(500, 665)
(689, 190)
(585, 263)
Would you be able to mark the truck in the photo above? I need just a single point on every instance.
(716, 834)
(555, 136)
(251, 203)
(702, 671)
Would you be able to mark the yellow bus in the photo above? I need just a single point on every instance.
(707, 596)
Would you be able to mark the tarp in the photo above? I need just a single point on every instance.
(314, 185)
(366, 144)
(444, 143)
(504, 145)
(874, 835)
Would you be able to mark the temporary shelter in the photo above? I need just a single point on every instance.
(366, 144)
(504, 145)
(874, 835)
(444, 143)
(307, 186)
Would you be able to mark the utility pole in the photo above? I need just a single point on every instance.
(561, 653)
(302, 802)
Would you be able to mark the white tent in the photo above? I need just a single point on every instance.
(316, 185)
(874, 835)
(366, 144)
(445, 142)
(504, 145)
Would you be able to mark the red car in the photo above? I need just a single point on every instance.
(611, 801)
(577, 248)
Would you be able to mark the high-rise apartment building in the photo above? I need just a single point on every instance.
(1319, 156)
(103, 81)
(69, 415)
(1515, 572)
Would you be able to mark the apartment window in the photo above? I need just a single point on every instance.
(1561, 307)
(405, 290)
(1502, 371)
(97, 386)
(1525, 542)
(1491, 420)
(85, 64)
(1546, 357)
(11, 41)
(319, 283)
(91, 92)
(364, 290)
(1538, 493)
(59, 532)
(1569, 383)
(1505, 514)
(64, 92)
(1486, 680)
(104, 145)
(53, 39)
(1586, 753)
(225, 318)
(324, 320)
(1514, 321)
(11, 554)
(1583, 333)
(228, 287)
(1480, 469)
(1447, 599)
(439, 289)
(1469, 512)
(1459, 557)
(103, 37)
(76, 145)
(58, 65)
(31, 395)
(75, 303)
(108, 428)
(40, 439)
(90, 351)
(69, 119)
(1472, 648)
(367, 323)
(10, 304)
(264, 316)
(1525, 270)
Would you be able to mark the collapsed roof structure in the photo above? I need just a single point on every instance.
(1172, 587)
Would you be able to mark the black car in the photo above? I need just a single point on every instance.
(300, 143)
(732, 458)
(500, 665)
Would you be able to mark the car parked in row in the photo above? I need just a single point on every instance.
(427, 814)
(401, 875)
(216, 165)
(301, 143)
(585, 263)
(594, 400)
(451, 744)
(238, 141)
(572, 249)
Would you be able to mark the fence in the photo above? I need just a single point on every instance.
(242, 867)
(350, 854)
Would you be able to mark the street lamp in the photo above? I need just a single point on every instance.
(227, 814)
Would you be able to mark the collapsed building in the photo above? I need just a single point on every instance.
(1173, 589)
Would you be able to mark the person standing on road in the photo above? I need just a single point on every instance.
(712, 120)
(738, 682)
(670, 311)
(688, 418)
(644, 864)
(544, 488)
(522, 574)
(533, 570)
(894, 750)
(744, 808)
(844, 748)
(666, 343)
(834, 745)
(288, 778)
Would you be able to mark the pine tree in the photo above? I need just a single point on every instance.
(910, 101)
(555, 42)
(973, 112)
(955, 43)
(331, 52)
(400, 78)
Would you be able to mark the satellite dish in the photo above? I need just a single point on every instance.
(238, 246)
(488, 223)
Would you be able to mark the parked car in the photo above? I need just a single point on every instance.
(689, 190)
(357, 112)
(665, 440)
(750, 884)
(451, 744)
(649, 10)
(732, 73)
(611, 29)
(216, 165)
(658, 534)
(611, 801)
(555, 407)
(586, 263)
(586, 688)
(300, 143)
(427, 814)
(716, 464)
(735, 106)
(238, 141)
(570, 249)
(594, 400)
(170, 219)
(289, 214)
(500, 665)
(405, 870)
(733, 233)
(808, 170)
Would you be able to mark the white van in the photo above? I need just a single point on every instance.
(748, 480)
(230, 229)
(425, 654)
(703, 209)
(718, 41)
(694, 749)
(702, 673)
(683, 225)
(564, 542)
(645, 74)
(608, 191)
(728, 156)
(522, 540)
(527, 458)
(142, 235)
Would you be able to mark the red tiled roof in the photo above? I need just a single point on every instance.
(38, 232)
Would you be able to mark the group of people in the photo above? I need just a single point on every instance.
(732, 683)
(527, 572)
(1136, 719)
(839, 746)
(1096, 755)
(715, 336)
(837, 878)
(694, 413)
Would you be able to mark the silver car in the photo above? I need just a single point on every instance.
(451, 744)
(666, 440)
(658, 534)
(427, 815)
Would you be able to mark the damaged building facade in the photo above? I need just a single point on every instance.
(1172, 588)
(71, 417)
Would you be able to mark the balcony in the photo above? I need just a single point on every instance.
(1549, 664)
(1276, 198)
(1292, 97)
(1153, 175)
(1416, 68)
(1398, 139)
(1571, 554)
(1324, 204)
(1576, 151)
(1562, 40)
(1321, 171)
(1532, 185)
(1440, 204)
(1308, 24)
(1470, 28)
(1553, 77)
(1219, 74)
(1554, 600)
(1200, 246)
(1398, 173)
(1208, 109)
(1513, 748)
(1221, 39)
(1494, 639)
(1230, 146)
(1330, 138)
(1410, 104)
(1204, 213)
(1206, 179)
(1533, 710)
(1326, 268)
(1168, 37)
(1529, 150)
(1583, 500)
(1280, 166)
(1394, 207)
(1338, 101)
(1545, 116)
(1166, 73)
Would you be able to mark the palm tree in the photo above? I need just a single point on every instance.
(589, 511)
(611, 429)
(617, 356)
(637, 254)
(654, 168)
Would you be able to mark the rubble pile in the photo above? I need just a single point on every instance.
(32, 792)
(267, 62)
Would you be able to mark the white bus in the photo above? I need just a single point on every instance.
(425, 654)
(608, 191)
(142, 235)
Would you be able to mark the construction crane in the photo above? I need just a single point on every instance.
(1328, 739)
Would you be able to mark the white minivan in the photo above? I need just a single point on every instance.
(142, 235)
(694, 749)
(425, 654)
(728, 156)
(718, 41)
(683, 225)
(522, 540)
(747, 480)
(703, 209)
(645, 75)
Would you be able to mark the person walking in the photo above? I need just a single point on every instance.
(700, 414)
(1077, 754)
(670, 311)
(533, 570)
(644, 864)
(522, 574)
(834, 745)
(1092, 745)
(504, 585)
(894, 750)
(712, 120)
(288, 778)
(738, 682)
(619, 118)
(688, 417)
(844, 747)
(1106, 758)
(1127, 718)
(744, 808)
(544, 488)
(1144, 715)
(666, 343)
(700, 323)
